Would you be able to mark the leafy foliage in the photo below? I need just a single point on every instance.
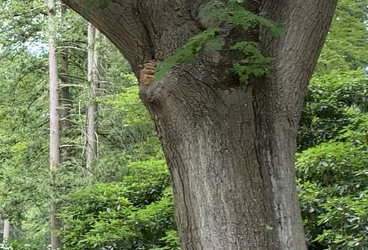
(333, 191)
(24, 178)
(221, 17)
(254, 63)
(135, 213)
(333, 102)
(331, 165)
(126, 134)
(19, 245)
(332, 140)
(345, 46)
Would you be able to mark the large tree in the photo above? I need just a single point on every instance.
(229, 145)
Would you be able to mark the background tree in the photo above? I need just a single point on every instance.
(229, 144)
(54, 122)
(6, 229)
(93, 79)
(24, 132)
(24, 175)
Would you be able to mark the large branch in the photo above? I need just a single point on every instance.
(120, 22)
(143, 29)
(296, 52)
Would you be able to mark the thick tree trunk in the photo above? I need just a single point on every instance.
(232, 168)
(230, 147)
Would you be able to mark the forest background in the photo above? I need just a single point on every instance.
(122, 199)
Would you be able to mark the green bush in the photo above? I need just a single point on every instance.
(333, 102)
(332, 162)
(333, 188)
(136, 213)
(20, 245)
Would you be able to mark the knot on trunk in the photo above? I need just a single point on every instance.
(147, 73)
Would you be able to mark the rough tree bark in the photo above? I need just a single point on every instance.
(229, 147)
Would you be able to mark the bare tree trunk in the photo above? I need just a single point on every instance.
(229, 146)
(6, 229)
(93, 79)
(54, 122)
(65, 101)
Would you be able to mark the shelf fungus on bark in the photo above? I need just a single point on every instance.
(147, 73)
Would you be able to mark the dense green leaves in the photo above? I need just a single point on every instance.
(332, 168)
(122, 136)
(333, 102)
(332, 142)
(218, 18)
(132, 214)
(345, 47)
(333, 188)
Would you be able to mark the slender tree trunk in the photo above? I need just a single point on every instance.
(93, 79)
(6, 229)
(229, 146)
(65, 100)
(54, 122)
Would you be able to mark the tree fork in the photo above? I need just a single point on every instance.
(229, 147)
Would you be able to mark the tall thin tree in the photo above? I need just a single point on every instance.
(65, 100)
(93, 79)
(54, 121)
